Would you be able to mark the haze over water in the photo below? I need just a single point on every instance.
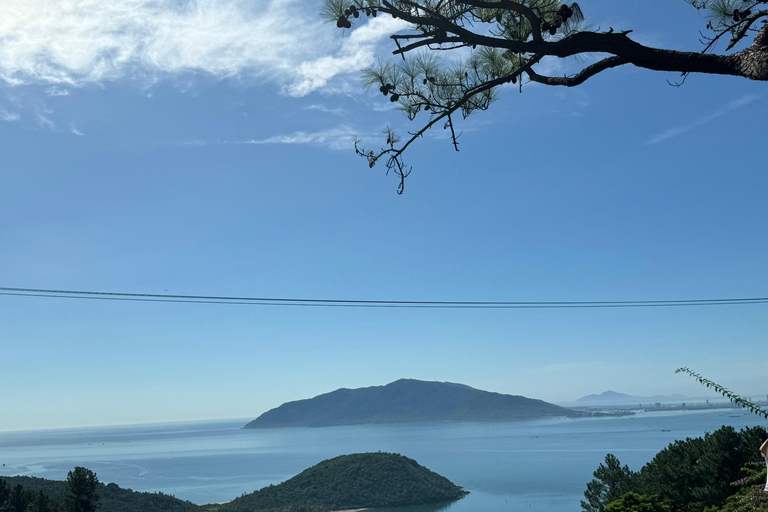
(542, 465)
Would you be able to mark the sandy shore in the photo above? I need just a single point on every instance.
(348, 510)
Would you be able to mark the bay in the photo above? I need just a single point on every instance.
(541, 465)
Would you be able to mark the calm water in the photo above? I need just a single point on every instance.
(538, 465)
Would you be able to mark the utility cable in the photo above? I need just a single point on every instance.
(281, 301)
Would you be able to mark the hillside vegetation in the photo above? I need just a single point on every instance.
(359, 480)
(350, 481)
(112, 498)
(690, 475)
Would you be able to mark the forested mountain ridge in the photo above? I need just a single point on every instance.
(407, 401)
(112, 498)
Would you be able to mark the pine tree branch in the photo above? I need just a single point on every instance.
(581, 77)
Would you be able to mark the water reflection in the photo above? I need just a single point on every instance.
(435, 507)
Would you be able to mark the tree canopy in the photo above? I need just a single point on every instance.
(80, 494)
(633, 502)
(504, 41)
(688, 475)
(51, 495)
(611, 481)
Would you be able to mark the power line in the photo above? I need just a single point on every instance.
(282, 301)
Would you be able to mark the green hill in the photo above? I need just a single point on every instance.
(112, 498)
(359, 480)
(406, 401)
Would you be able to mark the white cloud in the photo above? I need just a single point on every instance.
(574, 103)
(79, 42)
(356, 52)
(9, 116)
(57, 91)
(673, 132)
(383, 105)
(45, 121)
(75, 131)
(327, 110)
(338, 138)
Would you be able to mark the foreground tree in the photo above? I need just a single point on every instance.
(751, 496)
(693, 474)
(4, 492)
(504, 41)
(633, 502)
(612, 480)
(80, 493)
(41, 503)
(17, 501)
(688, 475)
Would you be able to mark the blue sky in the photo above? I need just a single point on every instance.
(203, 148)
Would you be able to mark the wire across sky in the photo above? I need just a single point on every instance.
(350, 303)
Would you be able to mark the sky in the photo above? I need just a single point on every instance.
(204, 147)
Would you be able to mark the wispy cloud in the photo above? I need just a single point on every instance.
(573, 103)
(57, 91)
(673, 132)
(80, 42)
(327, 110)
(75, 131)
(45, 121)
(383, 106)
(337, 138)
(9, 116)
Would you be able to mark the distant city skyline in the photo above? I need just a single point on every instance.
(205, 149)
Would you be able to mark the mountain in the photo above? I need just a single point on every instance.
(112, 498)
(612, 397)
(406, 401)
(608, 397)
(356, 481)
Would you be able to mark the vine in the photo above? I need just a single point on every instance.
(730, 395)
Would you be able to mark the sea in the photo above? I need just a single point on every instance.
(541, 465)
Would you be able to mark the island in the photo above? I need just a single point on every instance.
(408, 401)
(346, 482)
(350, 482)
